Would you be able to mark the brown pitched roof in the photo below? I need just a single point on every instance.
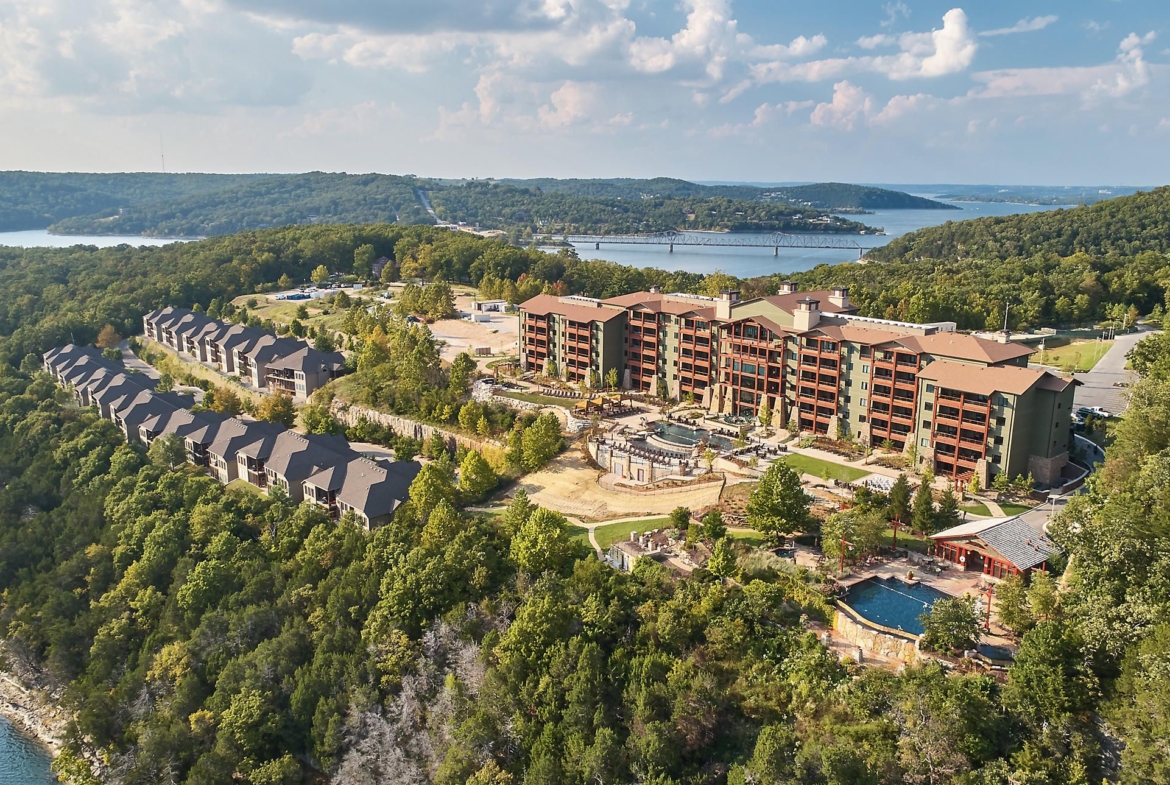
(544, 304)
(659, 303)
(788, 302)
(863, 335)
(985, 380)
(965, 347)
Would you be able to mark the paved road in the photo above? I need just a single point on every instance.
(1098, 385)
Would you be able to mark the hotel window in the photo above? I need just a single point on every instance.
(862, 402)
(925, 443)
(926, 424)
(865, 368)
(865, 385)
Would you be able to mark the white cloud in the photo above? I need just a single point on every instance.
(850, 103)
(1026, 25)
(569, 104)
(941, 52)
(894, 10)
(874, 41)
(358, 119)
(901, 105)
(1093, 26)
(1163, 124)
(1124, 75)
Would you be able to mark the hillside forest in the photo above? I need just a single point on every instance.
(209, 635)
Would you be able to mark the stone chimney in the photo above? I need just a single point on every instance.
(839, 296)
(1003, 336)
(807, 315)
(787, 287)
(655, 290)
(727, 298)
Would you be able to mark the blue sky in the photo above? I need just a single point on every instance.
(1069, 92)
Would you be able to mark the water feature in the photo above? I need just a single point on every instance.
(40, 238)
(689, 437)
(894, 603)
(748, 262)
(23, 760)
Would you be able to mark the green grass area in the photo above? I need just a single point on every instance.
(608, 535)
(542, 400)
(755, 539)
(823, 469)
(1080, 356)
(580, 535)
(977, 508)
(913, 542)
(1013, 509)
(244, 485)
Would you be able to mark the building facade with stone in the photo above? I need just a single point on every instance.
(968, 406)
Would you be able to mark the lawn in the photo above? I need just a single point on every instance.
(913, 542)
(580, 535)
(823, 469)
(977, 508)
(1080, 356)
(541, 400)
(244, 485)
(1013, 509)
(753, 538)
(608, 535)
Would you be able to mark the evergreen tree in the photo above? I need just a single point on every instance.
(922, 515)
(900, 499)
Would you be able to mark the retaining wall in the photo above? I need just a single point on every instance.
(349, 414)
(871, 638)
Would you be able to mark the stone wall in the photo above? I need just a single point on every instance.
(1047, 471)
(349, 414)
(872, 640)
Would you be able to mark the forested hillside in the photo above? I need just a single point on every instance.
(530, 212)
(205, 635)
(35, 200)
(1123, 226)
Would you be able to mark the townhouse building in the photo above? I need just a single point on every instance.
(318, 469)
(258, 357)
(964, 405)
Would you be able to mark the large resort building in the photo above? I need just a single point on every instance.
(311, 468)
(966, 406)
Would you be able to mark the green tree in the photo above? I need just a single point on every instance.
(778, 505)
(165, 383)
(225, 400)
(1043, 598)
(302, 311)
(324, 342)
(713, 526)
(900, 499)
(317, 418)
(922, 515)
(542, 543)
(542, 441)
(611, 378)
(363, 261)
(951, 625)
(765, 413)
(1011, 603)
(320, 274)
(277, 407)
(167, 452)
(948, 514)
(284, 282)
(722, 561)
(476, 477)
(1140, 709)
(680, 518)
(861, 529)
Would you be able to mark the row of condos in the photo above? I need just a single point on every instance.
(311, 468)
(259, 357)
(966, 405)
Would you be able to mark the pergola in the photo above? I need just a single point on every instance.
(601, 405)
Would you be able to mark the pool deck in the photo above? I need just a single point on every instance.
(952, 581)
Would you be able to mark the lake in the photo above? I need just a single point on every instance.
(740, 262)
(22, 759)
(40, 238)
(750, 262)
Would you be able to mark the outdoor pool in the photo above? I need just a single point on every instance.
(892, 602)
(689, 437)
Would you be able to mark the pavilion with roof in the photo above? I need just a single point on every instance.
(996, 547)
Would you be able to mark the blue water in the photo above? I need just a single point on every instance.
(748, 262)
(686, 437)
(23, 761)
(40, 238)
(893, 603)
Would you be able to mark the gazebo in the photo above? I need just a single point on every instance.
(996, 547)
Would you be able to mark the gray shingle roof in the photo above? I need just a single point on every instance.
(1015, 539)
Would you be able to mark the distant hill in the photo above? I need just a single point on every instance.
(1125, 225)
(821, 196)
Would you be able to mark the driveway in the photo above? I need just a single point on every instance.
(1099, 386)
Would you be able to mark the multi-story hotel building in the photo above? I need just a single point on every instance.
(965, 405)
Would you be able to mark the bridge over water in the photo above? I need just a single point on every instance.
(775, 240)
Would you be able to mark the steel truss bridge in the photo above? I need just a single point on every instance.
(775, 240)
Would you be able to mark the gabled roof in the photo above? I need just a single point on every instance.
(985, 380)
(309, 360)
(376, 489)
(787, 302)
(965, 347)
(544, 304)
(237, 335)
(865, 336)
(296, 456)
(1022, 544)
(665, 303)
(763, 321)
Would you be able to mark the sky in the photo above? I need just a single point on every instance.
(999, 91)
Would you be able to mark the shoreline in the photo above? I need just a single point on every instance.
(31, 713)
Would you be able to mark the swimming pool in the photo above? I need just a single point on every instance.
(892, 602)
(689, 437)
